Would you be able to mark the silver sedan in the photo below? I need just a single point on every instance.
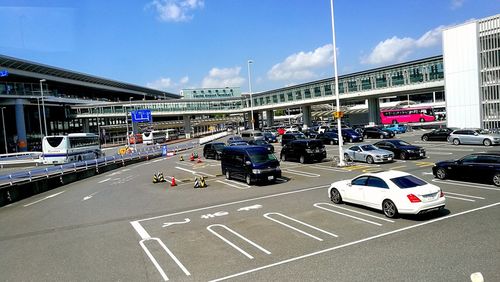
(368, 153)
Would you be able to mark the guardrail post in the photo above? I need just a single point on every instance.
(96, 166)
(47, 172)
(62, 171)
(86, 165)
(10, 178)
(74, 167)
(29, 173)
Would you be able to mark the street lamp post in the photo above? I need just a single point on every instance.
(250, 89)
(39, 116)
(339, 125)
(4, 134)
(43, 106)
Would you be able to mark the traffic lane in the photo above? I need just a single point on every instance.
(250, 219)
(447, 250)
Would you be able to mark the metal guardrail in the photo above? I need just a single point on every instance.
(21, 177)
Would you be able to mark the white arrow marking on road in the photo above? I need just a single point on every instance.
(89, 196)
(167, 224)
(48, 197)
(102, 181)
(254, 207)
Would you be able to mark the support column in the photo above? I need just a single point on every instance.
(269, 118)
(256, 119)
(22, 144)
(373, 111)
(306, 116)
(187, 126)
(86, 126)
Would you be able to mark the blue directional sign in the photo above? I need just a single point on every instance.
(4, 73)
(142, 116)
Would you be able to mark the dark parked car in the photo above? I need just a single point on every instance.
(402, 149)
(290, 136)
(238, 143)
(303, 150)
(213, 150)
(479, 167)
(349, 135)
(310, 133)
(377, 132)
(440, 134)
(269, 137)
(328, 137)
(234, 139)
(270, 148)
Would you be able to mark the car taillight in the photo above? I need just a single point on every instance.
(413, 198)
(441, 194)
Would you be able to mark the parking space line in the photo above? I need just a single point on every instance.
(475, 186)
(354, 211)
(462, 199)
(328, 168)
(167, 250)
(209, 228)
(104, 180)
(239, 185)
(399, 166)
(351, 243)
(268, 216)
(469, 196)
(344, 214)
(302, 173)
(194, 172)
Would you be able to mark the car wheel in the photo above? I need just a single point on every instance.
(487, 142)
(283, 157)
(496, 179)
(425, 138)
(350, 140)
(381, 136)
(456, 141)
(217, 156)
(394, 122)
(228, 175)
(422, 120)
(331, 142)
(365, 136)
(248, 179)
(205, 155)
(390, 209)
(402, 156)
(335, 196)
(441, 173)
(347, 158)
(302, 159)
(369, 159)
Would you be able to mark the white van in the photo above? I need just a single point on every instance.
(248, 135)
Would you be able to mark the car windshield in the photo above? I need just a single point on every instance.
(402, 143)
(236, 138)
(300, 136)
(262, 158)
(408, 181)
(483, 131)
(218, 146)
(368, 148)
(350, 131)
(259, 142)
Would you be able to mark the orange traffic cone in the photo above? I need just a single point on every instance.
(192, 157)
(199, 160)
(173, 182)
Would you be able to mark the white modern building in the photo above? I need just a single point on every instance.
(471, 54)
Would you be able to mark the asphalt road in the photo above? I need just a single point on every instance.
(121, 226)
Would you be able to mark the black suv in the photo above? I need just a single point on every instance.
(328, 137)
(290, 136)
(377, 132)
(213, 150)
(303, 151)
(401, 149)
(478, 167)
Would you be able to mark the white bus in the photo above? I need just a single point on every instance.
(159, 136)
(69, 148)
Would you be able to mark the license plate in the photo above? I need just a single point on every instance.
(389, 158)
(421, 154)
(270, 177)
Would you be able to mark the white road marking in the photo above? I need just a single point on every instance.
(348, 215)
(209, 228)
(89, 196)
(475, 186)
(115, 173)
(167, 250)
(475, 197)
(427, 173)
(125, 169)
(354, 211)
(102, 181)
(194, 172)
(48, 197)
(302, 173)
(212, 215)
(167, 224)
(267, 215)
(158, 160)
(237, 202)
(451, 149)
(254, 207)
(328, 168)
(238, 185)
(458, 198)
(438, 153)
(352, 243)
(140, 230)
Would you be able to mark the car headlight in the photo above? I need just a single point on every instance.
(309, 151)
(256, 171)
(278, 168)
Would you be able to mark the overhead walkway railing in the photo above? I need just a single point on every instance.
(421, 75)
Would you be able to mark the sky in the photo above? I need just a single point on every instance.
(178, 44)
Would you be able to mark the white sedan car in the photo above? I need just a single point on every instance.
(391, 191)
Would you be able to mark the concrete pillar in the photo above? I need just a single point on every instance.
(86, 126)
(22, 144)
(256, 119)
(373, 111)
(306, 116)
(269, 118)
(187, 126)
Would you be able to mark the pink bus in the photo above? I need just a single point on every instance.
(406, 115)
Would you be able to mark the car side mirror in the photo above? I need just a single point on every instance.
(459, 161)
(248, 163)
(476, 134)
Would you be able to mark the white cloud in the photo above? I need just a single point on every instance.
(175, 10)
(224, 77)
(397, 49)
(167, 84)
(455, 4)
(301, 65)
